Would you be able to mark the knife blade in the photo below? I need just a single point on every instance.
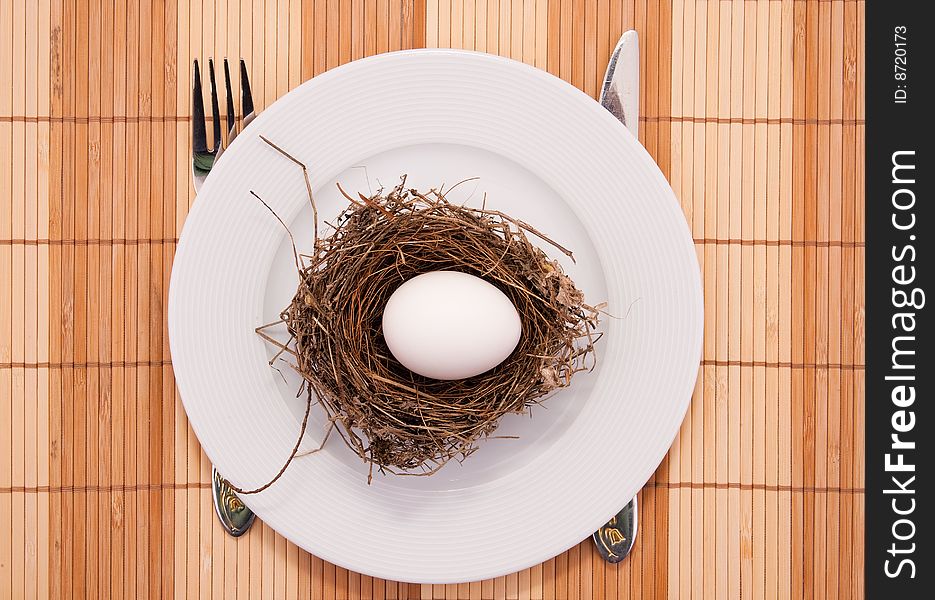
(620, 93)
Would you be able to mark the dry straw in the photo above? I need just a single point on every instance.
(395, 420)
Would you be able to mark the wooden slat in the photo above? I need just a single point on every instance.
(187, 581)
(43, 62)
(753, 110)
(766, 224)
(739, 306)
(31, 295)
(696, 151)
(6, 298)
(15, 381)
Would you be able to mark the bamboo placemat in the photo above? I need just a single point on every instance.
(754, 111)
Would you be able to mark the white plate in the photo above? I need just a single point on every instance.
(544, 152)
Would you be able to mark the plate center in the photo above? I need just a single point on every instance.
(510, 188)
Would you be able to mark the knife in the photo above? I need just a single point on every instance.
(620, 94)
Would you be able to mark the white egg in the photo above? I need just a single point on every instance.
(450, 325)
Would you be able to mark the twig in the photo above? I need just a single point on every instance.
(308, 185)
(295, 253)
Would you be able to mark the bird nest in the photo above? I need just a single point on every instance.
(396, 420)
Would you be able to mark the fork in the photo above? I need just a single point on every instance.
(233, 514)
(203, 159)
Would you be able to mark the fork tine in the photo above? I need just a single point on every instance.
(199, 137)
(246, 98)
(230, 99)
(215, 112)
